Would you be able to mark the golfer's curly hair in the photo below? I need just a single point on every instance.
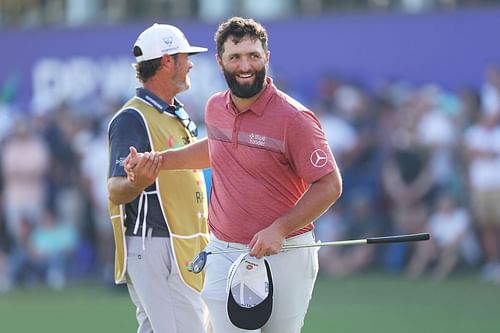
(237, 28)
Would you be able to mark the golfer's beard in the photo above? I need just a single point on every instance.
(245, 90)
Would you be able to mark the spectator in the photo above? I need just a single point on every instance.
(407, 181)
(25, 163)
(361, 221)
(329, 227)
(94, 178)
(52, 243)
(5, 282)
(448, 225)
(482, 143)
(490, 90)
(436, 132)
(22, 268)
(63, 172)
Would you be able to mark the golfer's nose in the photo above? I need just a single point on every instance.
(244, 64)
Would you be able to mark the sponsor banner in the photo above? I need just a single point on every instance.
(44, 67)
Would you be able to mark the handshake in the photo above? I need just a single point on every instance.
(142, 168)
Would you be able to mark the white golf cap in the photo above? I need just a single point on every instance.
(161, 39)
(250, 292)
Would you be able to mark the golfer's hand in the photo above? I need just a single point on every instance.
(266, 242)
(131, 162)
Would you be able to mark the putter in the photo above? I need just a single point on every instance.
(199, 262)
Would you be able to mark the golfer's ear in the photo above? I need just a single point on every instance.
(219, 61)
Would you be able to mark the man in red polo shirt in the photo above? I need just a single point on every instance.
(273, 174)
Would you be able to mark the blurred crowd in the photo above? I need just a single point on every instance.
(32, 13)
(414, 158)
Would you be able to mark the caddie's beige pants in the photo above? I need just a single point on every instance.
(164, 303)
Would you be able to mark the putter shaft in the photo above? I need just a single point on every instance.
(372, 240)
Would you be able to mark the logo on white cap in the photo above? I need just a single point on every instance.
(168, 40)
(161, 39)
(250, 292)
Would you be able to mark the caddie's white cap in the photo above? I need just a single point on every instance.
(161, 39)
(250, 292)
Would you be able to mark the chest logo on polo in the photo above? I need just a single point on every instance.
(256, 139)
(318, 158)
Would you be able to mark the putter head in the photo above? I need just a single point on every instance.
(198, 263)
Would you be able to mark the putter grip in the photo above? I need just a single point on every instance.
(399, 239)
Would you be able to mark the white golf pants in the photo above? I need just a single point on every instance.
(294, 273)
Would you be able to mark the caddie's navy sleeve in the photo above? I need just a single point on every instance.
(126, 129)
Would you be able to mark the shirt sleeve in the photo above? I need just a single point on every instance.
(125, 130)
(307, 148)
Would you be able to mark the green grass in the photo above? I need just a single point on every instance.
(369, 303)
(382, 303)
(79, 309)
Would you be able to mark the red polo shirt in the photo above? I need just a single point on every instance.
(263, 160)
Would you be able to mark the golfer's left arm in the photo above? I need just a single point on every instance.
(316, 200)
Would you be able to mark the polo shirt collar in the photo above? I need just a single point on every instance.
(156, 101)
(259, 105)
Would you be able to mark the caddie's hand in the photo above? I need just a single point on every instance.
(142, 169)
(266, 242)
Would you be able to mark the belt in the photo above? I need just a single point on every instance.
(154, 232)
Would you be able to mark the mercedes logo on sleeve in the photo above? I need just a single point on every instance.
(318, 158)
